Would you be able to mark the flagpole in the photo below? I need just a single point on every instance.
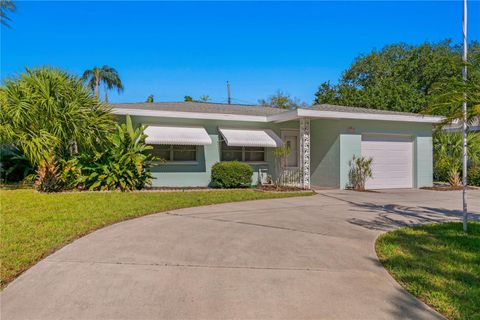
(464, 109)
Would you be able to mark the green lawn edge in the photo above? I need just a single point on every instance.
(437, 263)
(34, 225)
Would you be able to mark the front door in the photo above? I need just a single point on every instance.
(290, 138)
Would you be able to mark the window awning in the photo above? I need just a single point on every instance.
(177, 135)
(251, 138)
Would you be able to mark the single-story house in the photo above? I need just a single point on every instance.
(193, 136)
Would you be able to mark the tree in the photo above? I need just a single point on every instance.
(282, 101)
(399, 77)
(204, 98)
(187, 99)
(150, 99)
(47, 112)
(106, 75)
(6, 5)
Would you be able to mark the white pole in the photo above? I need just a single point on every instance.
(465, 155)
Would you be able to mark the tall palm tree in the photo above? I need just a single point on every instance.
(106, 75)
(6, 5)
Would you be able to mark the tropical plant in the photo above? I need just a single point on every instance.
(123, 165)
(106, 75)
(150, 99)
(447, 154)
(282, 101)
(14, 166)
(231, 174)
(49, 178)
(360, 171)
(47, 112)
(6, 5)
(281, 154)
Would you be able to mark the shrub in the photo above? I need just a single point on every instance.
(474, 176)
(231, 174)
(123, 166)
(360, 171)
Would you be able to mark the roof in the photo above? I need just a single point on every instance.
(335, 108)
(255, 113)
(202, 107)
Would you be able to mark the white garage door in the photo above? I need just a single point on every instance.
(392, 165)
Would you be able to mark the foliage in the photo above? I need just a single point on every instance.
(36, 224)
(474, 176)
(123, 165)
(14, 166)
(231, 174)
(282, 101)
(6, 5)
(188, 99)
(438, 263)
(49, 178)
(47, 112)
(150, 99)
(360, 171)
(281, 154)
(399, 77)
(106, 75)
(205, 98)
(447, 154)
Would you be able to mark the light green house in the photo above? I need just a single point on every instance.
(193, 136)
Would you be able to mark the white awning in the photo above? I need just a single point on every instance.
(184, 135)
(251, 138)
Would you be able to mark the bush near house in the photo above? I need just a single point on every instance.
(231, 174)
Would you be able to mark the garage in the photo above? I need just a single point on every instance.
(392, 156)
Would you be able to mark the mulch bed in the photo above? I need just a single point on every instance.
(447, 188)
(279, 188)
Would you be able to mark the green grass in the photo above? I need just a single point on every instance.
(35, 224)
(439, 264)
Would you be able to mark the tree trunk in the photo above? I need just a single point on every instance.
(106, 92)
(97, 84)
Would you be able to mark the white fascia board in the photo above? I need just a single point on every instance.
(367, 116)
(188, 115)
(284, 116)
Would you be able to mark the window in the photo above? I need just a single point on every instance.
(175, 153)
(246, 154)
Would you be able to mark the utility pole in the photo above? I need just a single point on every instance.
(228, 91)
(464, 107)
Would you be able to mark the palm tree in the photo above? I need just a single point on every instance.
(47, 112)
(6, 5)
(106, 75)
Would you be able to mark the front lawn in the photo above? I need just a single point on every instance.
(36, 224)
(439, 264)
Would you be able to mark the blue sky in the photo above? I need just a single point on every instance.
(173, 49)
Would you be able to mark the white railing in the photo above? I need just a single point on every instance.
(292, 177)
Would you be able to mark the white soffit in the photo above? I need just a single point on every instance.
(177, 135)
(251, 138)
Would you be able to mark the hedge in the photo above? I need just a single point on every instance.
(231, 174)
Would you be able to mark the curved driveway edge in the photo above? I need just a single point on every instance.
(308, 257)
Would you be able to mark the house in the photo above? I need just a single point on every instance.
(193, 136)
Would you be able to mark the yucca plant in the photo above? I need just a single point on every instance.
(360, 171)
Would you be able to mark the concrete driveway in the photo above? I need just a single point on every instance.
(310, 257)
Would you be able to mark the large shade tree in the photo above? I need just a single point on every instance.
(105, 75)
(282, 101)
(47, 112)
(399, 77)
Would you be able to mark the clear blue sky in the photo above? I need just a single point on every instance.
(173, 49)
